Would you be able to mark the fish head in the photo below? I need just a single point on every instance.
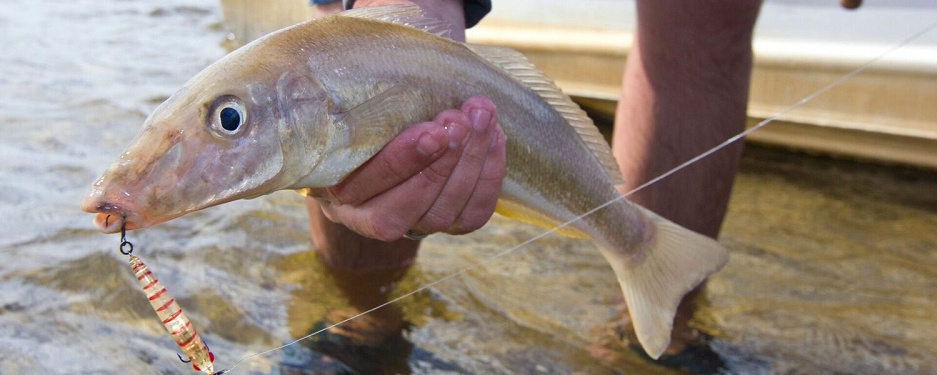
(222, 137)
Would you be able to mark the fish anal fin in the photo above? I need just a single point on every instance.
(521, 213)
(675, 262)
(406, 15)
(517, 65)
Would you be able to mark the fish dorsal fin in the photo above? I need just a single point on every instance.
(406, 15)
(517, 65)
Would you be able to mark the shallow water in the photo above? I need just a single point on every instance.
(832, 271)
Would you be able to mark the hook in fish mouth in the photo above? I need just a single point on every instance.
(111, 218)
(111, 214)
(113, 222)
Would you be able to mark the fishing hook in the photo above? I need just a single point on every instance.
(208, 350)
(126, 247)
(215, 373)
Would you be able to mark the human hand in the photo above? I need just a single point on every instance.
(438, 176)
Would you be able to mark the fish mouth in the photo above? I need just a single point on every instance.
(111, 218)
(114, 218)
(108, 223)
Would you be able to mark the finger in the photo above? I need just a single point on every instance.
(389, 215)
(484, 198)
(463, 181)
(403, 157)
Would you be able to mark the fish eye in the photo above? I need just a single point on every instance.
(227, 116)
(230, 119)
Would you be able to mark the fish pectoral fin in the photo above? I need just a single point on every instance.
(406, 15)
(357, 134)
(655, 281)
(377, 120)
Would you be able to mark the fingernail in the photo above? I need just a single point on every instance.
(480, 119)
(430, 143)
(457, 134)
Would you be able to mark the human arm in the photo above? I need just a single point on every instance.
(409, 186)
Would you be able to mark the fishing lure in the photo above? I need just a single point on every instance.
(169, 312)
(175, 321)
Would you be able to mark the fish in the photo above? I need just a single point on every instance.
(305, 106)
(175, 321)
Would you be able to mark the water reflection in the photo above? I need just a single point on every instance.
(374, 343)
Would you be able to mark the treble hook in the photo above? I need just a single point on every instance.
(207, 349)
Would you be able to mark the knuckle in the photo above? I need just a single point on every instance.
(437, 220)
(492, 179)
(470, 221)
(342, 194)
(436, 174)
(379, 228)
(394, 169)
(475, 215)
(474, 157)
(330, 213)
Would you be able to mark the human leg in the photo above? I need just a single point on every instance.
(685, 90)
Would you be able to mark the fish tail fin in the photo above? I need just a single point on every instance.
(675, 262)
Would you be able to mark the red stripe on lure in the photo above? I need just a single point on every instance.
(175, 321)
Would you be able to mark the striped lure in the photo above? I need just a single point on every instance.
(175, 321)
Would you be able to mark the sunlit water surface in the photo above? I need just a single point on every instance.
(832, 271)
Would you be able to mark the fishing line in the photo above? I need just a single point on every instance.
(676, 169)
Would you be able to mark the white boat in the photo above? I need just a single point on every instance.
(888, 113)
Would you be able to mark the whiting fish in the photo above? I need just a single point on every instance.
(305, 106)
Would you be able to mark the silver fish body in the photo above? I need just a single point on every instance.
(315, 101)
